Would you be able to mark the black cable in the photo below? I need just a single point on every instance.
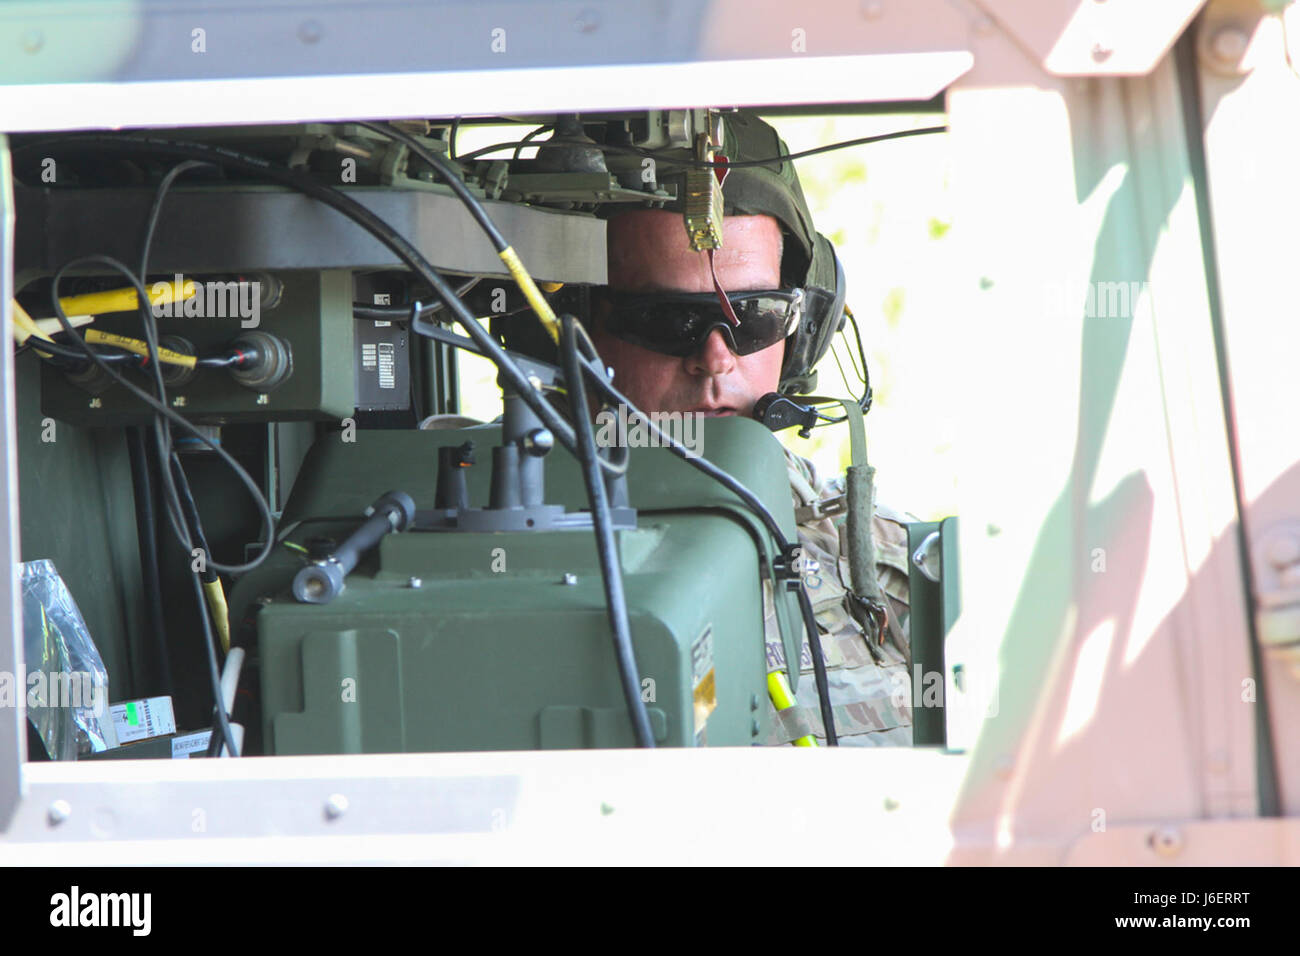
(671, 160)
(366, 310)
(147, 532)
(528, 137)
(162, 431)
(451, 138)
(64, 351)
(450, 177)
(610, 569)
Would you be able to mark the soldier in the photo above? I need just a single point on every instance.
(768, 244)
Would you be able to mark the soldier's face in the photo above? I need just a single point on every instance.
(649, 252)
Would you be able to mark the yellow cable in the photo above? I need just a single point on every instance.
(531, 292)
(126, 300)
(216, 596)
(783, 699)
(167, 356)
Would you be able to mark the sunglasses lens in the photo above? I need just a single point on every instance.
(678, 326)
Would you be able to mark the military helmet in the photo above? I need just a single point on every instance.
(808, 260)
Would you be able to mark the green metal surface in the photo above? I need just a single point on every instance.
(492, 651)
(314, 316)
(76, 509)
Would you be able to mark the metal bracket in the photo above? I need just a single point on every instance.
(1092, 37)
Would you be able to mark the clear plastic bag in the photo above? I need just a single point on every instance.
(67, 685)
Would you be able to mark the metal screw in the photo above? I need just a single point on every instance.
(1167, 841)
(264, 399)
(59, 811)
(569, 578)
(336, 806)
(414, 583)
(96, 403)
(178, 401)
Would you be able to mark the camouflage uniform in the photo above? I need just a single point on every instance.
(865, 667)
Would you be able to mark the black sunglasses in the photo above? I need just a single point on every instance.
(679, 323)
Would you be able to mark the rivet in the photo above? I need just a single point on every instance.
(59, 811)
(1166, 841)
(310, 31)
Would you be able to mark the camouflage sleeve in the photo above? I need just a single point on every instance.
(867, 673)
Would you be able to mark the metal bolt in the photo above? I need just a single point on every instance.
(538, 442)
(310, 31)
(414, 583)
(264, 399)
(1228, 45)
(59, 811)
(569, 578)
(1283, 551)
(1167, 841)
(336, 806)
